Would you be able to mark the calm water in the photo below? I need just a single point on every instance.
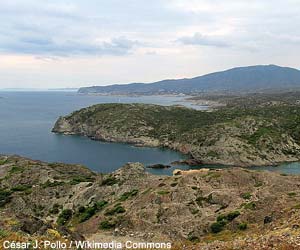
(26, 120)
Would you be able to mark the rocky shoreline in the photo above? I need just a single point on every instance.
(245, 140)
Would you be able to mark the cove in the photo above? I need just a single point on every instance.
(26, 120)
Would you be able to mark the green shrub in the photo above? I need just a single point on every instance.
(250, 205)
(106, 225)
(163, 192)
(232, 215)
(297, 206)
(49, 183)
(109, 181)
(242, 226)
(217, 227)
(292, 194)
(118, 209)
(3, 233)
(127, 195)
(16, 169)
(192, 237)
(78, 179)
(20, 188)
(246, 196)
(85, 213)
(5, 197)
(64, 217)
(258, 184)
(55, 209)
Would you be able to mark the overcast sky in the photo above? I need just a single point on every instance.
(72, 43)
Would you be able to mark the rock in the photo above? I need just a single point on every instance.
(158, 166)
(32, 225)
(190, 162)
(268, 219)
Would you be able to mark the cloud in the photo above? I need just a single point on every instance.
(42, 46)
(49, 39)
(201, 40)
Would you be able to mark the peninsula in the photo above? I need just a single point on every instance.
(235, 135)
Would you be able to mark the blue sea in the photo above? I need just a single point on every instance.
(26, 120)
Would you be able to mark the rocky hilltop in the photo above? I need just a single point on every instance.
(262, 135)
(202, 209)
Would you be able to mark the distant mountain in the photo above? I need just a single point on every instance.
(247, 79)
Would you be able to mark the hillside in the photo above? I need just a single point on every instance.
(231, 136)
(242, 208)
(243, 79)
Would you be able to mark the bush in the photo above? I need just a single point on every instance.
(250, 205)
(48, 183)
(109, 181)
(16, 169)
(20, 188)
(86, 213)
(228, 217)
(105, 225)
(116, 210)
(127, 195)
(217, 227)
(64, 217)
(232, 215)
(242, 226)
(3, 234)
(5, 197)
(192, 237)
(55, 209)
(246, 196)
(163, 192)
(78, 179)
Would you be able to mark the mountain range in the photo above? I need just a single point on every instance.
(241, 79)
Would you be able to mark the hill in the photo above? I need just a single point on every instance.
(231, 136)
(242, 79)
(54, 201)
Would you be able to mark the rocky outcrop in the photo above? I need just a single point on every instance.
(240, 137)
(192, 206)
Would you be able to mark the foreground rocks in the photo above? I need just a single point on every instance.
(211, 209)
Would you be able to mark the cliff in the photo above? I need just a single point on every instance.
(229, 136)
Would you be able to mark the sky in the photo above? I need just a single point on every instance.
(64, 43)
